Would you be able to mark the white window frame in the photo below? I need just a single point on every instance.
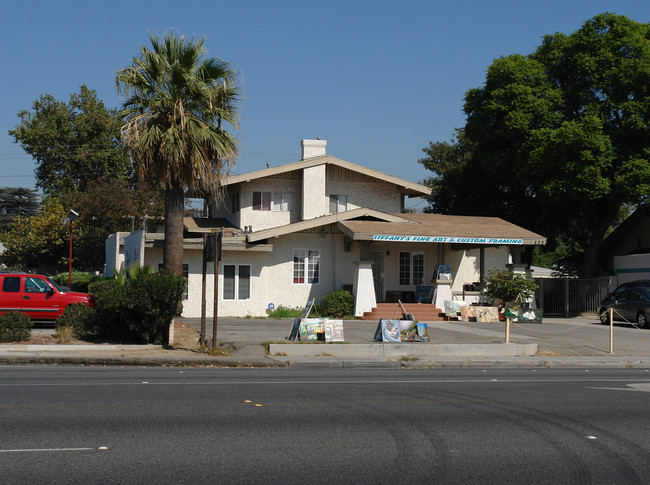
(236, 282)
(282, 202)
(407, 268)
(305, 266)
(340, 203)
(417, 270)
(262, 196)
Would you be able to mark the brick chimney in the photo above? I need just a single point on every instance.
(313, 148)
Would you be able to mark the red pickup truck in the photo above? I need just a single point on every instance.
(37, 296)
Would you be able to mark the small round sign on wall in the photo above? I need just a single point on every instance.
(271, 306)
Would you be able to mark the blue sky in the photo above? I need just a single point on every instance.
(378, 80)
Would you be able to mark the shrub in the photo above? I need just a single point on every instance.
(286, 312)
(139, 307)
(80, 318)
(80, 280)
(337, 304)
(508, 285)
(14, 327)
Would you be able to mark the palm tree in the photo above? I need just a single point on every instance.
(176, 101)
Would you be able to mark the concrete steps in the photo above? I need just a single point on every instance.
(422, 312)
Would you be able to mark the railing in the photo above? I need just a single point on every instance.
(571, 296)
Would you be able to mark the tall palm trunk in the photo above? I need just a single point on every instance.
(174, 207)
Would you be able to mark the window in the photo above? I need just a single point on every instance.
(11, 284)
(408, 268)
(404, 268)
(236, 282)
(309, 260)
(35, 285)
(338, 203)
(418, 268)
(281, 201)
(261, 201)
(186, 272)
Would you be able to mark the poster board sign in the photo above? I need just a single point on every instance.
(468, 313)
(390, 330)
(310, 328)
(452, 308)
(424, 294)
(328, 330)
(333, 330)
(442, 272)
(487, 314)
(408, 331)
(423, 332)
(394, 331)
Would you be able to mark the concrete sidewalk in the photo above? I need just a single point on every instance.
(579, 341)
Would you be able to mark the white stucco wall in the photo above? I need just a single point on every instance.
(267, 219)
(271, 275)
(381, 196)
(314, 202)
(114, 253)
(134, 250)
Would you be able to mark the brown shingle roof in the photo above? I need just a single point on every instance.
(439, 225)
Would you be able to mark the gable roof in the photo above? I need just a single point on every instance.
(324, 220)
(407, 188)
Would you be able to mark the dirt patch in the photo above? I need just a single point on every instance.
(546, 353)
(185, 337)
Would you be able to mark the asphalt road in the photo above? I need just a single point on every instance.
(207, 425)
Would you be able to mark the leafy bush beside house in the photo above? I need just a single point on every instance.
(337, 304)
(507, 285)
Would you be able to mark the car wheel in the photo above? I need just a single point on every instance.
(642, 320)
(604, 316)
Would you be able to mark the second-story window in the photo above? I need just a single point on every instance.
(261, 201)
(338, 203)
(281, 201)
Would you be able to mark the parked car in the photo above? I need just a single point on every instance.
(630, 284)
(631, 305)
(37, 296)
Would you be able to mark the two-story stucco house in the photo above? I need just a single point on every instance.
(299, 231)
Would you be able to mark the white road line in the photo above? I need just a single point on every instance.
(504, 380)
(640, 386)
(43, 450)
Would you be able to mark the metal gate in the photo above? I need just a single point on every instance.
(571, 296)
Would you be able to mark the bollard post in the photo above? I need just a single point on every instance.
(507, 330)
(611, 330)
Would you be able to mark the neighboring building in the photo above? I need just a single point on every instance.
(626, 251)
(299, 231)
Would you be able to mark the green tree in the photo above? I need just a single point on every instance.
(108, 205)
(176, 101)
(38, 242)
(17, 202)
(557, 141)
(73, 143)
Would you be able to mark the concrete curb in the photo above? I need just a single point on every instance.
(396, 350)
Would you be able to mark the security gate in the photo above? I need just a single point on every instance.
(570, 296)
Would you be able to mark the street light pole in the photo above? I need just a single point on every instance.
(70, 218)
(70, 258)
